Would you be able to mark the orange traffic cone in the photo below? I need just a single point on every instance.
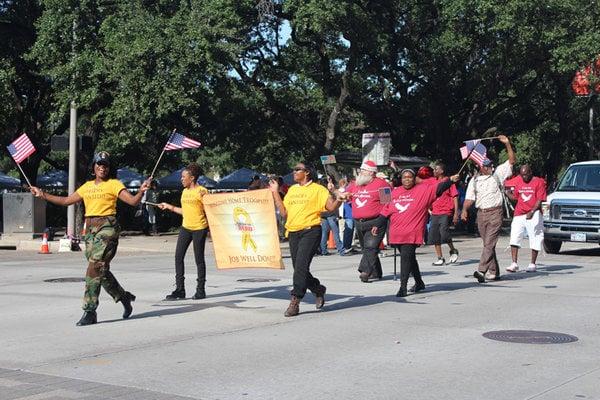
(330, 241)
(45, 248)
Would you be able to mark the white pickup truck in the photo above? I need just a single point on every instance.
(572, 212)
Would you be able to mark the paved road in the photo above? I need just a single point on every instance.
(236, 344)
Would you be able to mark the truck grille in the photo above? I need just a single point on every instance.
(576, 213)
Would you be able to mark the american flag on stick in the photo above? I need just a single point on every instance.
(21, 148)
(178, 142)
(474, 150)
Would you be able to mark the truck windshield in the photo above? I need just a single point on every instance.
(581, 178)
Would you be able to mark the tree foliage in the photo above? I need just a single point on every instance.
(307, 81)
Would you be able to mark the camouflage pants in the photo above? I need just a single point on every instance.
(101, 241)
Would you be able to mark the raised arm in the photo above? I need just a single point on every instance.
(132, 200)
(58, 200)
(445, 185)
(335, 201)
(512, 159)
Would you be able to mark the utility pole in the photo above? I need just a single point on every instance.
(72, 169)
(72, 143)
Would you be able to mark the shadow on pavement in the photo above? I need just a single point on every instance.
(179, 308)
(541, 271)
(582, 252)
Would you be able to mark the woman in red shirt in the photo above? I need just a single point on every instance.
(408, 212)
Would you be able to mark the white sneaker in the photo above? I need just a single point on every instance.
(531, 268)
(453, 257)
(513, 267)
(440, 261)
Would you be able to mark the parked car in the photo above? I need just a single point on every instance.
(572, 212)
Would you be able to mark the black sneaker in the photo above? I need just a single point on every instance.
(479, 276)
(178, 294)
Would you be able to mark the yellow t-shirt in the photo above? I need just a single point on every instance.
(100, 199)
(192, 208)
(304, 205)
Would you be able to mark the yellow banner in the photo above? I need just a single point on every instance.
(243, 228)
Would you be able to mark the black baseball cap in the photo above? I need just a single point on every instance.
(102, 158)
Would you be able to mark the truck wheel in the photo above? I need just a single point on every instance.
(552, 246)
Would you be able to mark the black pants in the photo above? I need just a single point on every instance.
(408, 264)
(303, 246)
(183, 242)
(369, 243)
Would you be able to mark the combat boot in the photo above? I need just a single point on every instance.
(177, 294)
(294, 307)
(402, 292)
(200, 293)
(88, 318)
(126, 301)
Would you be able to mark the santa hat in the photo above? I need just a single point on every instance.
(369, 166)
(425, 172)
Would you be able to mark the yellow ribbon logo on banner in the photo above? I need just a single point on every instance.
(245, 226)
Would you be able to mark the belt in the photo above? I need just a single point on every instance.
(490, 209)
(99, 216)
(366, 219)
(310, 227)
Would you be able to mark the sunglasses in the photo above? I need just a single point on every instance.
(298, 169)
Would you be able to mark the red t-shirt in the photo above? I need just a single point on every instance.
(444, 205)
(430, 181)
(527, 194)
(408, 213)
(365, 199)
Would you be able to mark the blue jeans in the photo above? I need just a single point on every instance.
(348, 233)
(327, 224)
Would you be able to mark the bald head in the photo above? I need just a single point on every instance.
(526, 173)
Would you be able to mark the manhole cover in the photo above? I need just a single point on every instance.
(531, 337)
(258, 280)
(63, 280)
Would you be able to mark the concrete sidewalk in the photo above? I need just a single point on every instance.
(236, 344)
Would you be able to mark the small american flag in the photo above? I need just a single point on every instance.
(477, 151)
(21, 148)
(177, 142)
